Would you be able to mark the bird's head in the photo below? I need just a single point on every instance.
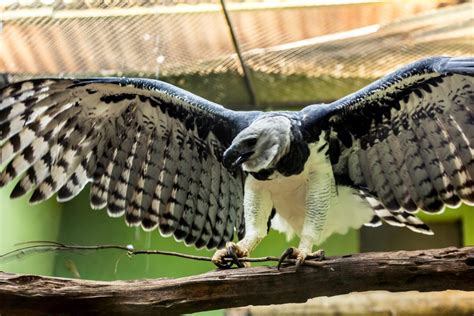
(261, 145)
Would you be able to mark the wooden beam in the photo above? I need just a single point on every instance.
(442, 303)
(426, 270)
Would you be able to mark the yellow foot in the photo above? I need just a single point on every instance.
(233, 252)
(300, 256)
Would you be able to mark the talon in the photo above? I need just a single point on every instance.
(218, 257)
(300, 259)
(299, 262)
(300, 256)
(317, 255)
(231, 251)
(285, 255)
(226, 265)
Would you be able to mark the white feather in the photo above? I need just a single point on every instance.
(346, 209)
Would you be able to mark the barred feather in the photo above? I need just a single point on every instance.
(182, 188)
(412, 140)
(129, 177)
(212, 226)
(431, 134)
(68, 160)
(75, 183)
(166, 188)
(381, 177)
(402, 182)
(459, 146)
(154, 165)
(195, 217)
(133, 213)
(101, 176)
(395, 173)
(222, 210)
(185, 228)
(144, 145)
(374, 222)
(202, 232)
(398, 218)
(225, 212)
(119, 173)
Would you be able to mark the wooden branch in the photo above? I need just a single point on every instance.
(427, 270)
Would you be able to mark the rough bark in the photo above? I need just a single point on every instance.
(427, 270)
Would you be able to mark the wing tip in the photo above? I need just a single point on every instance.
(421, 229)
(18, 191)
(37, 197)
(64, 195)
(374, 222)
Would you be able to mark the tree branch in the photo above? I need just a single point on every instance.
(427, 270)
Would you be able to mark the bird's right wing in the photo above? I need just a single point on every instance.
(407, 140)
(151, 151)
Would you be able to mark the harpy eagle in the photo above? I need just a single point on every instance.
(167, 159)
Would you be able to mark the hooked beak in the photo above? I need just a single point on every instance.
(241, 159)
(233, 158)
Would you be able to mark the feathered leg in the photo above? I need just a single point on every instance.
(320, 190)
(257, 208)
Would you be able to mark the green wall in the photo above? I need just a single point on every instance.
(464, 214)
(20, 222)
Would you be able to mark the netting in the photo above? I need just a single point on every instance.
(297, 52)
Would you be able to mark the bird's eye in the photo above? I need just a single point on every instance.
(250, 141)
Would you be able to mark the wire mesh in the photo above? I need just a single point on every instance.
(297, 52)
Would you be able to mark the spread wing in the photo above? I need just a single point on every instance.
(407, 140)
(151, 151)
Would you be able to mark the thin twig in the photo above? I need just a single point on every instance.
(47, 246)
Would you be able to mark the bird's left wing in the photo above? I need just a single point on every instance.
(407, 140)
(152, 152)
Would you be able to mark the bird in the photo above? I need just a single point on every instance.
(212, 177)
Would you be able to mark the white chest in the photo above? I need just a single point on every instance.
(288, 194)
